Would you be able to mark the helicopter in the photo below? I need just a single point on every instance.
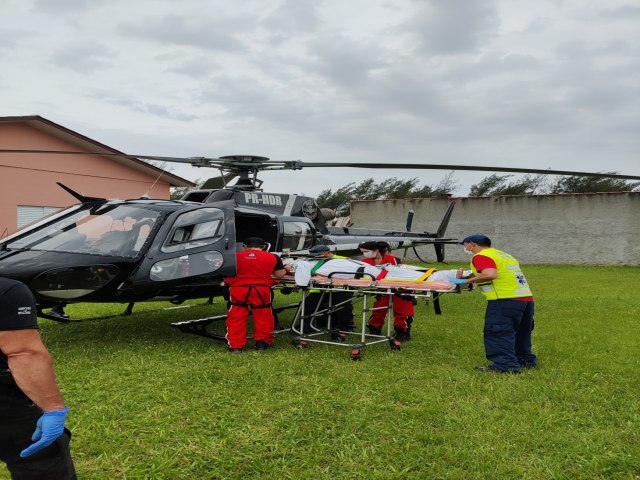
(129, 251)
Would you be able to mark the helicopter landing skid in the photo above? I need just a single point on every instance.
(199, 327)
(58, 314)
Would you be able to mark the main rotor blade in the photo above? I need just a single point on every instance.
(475, 168)
(230, 163)
(189, 160)
(251, 163)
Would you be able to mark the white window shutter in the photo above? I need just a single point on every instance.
(30, 214)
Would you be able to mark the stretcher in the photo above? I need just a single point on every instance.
(360, 289)
(384, 284)
(363, 288)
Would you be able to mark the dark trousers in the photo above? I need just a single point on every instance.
(341, 319)
(18, 422)
(507, 334)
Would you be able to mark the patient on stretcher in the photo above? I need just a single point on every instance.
(347, 269)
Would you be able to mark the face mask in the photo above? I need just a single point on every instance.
(468, 252)
(369, 254)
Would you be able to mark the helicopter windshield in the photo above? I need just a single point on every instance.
(116, 230)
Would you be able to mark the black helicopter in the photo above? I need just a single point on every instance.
(128, 251)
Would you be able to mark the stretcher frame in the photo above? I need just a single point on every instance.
(363, 290)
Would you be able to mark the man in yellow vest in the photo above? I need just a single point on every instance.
(508, 320)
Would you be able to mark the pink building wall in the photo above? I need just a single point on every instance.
(30, 179)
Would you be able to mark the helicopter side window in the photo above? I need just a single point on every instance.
(296, 236)
(195, 229)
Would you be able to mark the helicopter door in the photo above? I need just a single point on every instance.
(296, 234)
(199, 241)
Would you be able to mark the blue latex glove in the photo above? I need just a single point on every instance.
(458, 281)
(49, 427)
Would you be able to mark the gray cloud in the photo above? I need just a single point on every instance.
(10, 37)
(207, 32)
(83, 57)
(452, 27)
(292, 17)
(66, 6)
(191, 66)
(250, 98)
(395, 92)
(164, 111)
(624, 12)
(345, 62)
(539, 25)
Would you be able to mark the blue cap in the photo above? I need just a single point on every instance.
(477, 238)
(317, 250)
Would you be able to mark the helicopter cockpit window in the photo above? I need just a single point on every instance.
(195, 229)
(114, 230)
(297, 236)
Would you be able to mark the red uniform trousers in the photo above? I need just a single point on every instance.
(402, 309)
(258, 297)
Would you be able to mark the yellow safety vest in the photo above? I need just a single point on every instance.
(510, 282)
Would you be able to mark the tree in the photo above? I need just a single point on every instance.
(579, 184)
(488, 185)
(340, 199)
(178, 192)
(497, 185)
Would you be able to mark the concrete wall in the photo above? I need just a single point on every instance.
(599, 228)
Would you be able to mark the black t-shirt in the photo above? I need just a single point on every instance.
(17, 309)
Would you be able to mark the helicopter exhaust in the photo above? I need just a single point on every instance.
(328, 213)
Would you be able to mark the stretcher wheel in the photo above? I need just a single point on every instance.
(355, 354)
(299, 343)
(394, 344)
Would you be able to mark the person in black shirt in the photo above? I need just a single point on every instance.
(33, 441)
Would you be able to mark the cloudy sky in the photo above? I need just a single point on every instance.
(537, 84)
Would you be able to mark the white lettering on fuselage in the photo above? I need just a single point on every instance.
(263, 199)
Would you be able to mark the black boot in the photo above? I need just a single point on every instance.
(402, 334)
(338, 336)
(373, 330)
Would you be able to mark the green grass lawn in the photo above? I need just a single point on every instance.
(149, 402)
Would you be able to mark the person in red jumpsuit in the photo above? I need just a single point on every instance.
(256, 272)
(376, 253)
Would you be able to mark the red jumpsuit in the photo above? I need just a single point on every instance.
(402, 309)
(251, 287)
